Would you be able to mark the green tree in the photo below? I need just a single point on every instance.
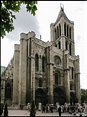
(83, 95)
(7, 9)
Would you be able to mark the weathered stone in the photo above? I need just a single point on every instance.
(62, 73)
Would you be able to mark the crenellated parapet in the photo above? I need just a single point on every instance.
(27, 35)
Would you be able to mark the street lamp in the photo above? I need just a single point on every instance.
(85, 107)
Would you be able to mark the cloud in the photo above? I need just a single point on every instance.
(24, 22)
(78, 39)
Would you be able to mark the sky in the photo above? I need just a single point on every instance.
(40, 23)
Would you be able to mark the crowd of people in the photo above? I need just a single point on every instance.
(73, 109)
(50, 108)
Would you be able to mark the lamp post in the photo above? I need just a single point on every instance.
(3, 90)
(86, 108)
(0, 98)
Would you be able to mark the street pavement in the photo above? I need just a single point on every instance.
(38, 113)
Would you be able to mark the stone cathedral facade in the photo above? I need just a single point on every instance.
(47, 72)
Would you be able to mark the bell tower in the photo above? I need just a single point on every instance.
(62, 32)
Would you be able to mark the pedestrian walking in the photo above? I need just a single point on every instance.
(46, 108)
(43, 108)
(59, 111)
(51, 108)
(6, 111)
(28, 107)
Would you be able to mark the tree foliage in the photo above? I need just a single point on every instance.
(7, 9)
(83, 95)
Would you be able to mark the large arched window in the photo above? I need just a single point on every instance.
(59, 30)
(56, 78)
(8, 90)
(70, 52)
(65, 29)
(43, 64)
(36, 62)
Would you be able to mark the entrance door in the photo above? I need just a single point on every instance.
(40, 96)
(59, 96)
(73, 98)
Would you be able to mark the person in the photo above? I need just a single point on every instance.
(1, 109)
(46, 107)
(57, 105)
(59, 111)
(6, 111)
(39, 106)
(28, 107)
(43, 108)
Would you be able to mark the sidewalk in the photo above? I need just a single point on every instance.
(38, 113)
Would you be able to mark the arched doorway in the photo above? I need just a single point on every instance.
(8, 91)
(40, 96)
(73, 98)
(59, 95)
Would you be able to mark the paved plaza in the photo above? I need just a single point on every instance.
(38, 113)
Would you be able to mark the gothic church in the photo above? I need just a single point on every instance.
(47, 72)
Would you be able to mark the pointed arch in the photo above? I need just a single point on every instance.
(40, 96)
(59, 95)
